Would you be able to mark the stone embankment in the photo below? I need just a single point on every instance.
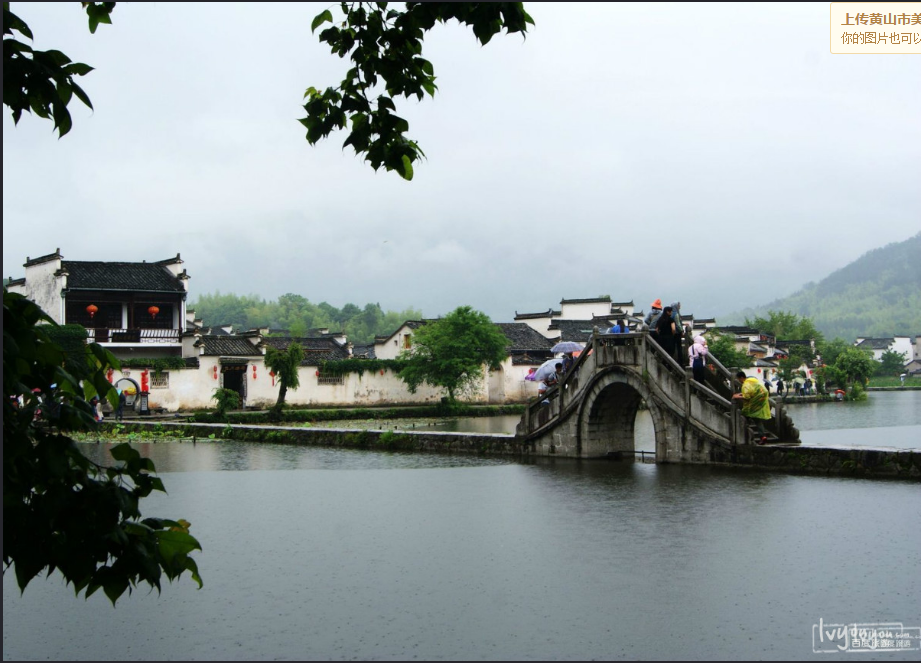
(843, 461)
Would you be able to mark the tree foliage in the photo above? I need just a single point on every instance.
(723, 347)
(877, 295)
(385, 48)
(298, 315)
(42, 82)
(829, 351)
(60, 510)
(226, 399)
(284, 364)
(855, 365)
(450, 352)
(786, 326)
(891, 363)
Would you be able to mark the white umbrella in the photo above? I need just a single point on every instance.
(566, 346)
(547, 369)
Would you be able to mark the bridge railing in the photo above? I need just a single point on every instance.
(675, 384)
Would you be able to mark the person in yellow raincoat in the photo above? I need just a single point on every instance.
(756, 404)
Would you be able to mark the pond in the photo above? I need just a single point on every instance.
(893, 417)
(330, 554)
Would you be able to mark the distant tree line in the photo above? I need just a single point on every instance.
(298, 315)
(877, 295)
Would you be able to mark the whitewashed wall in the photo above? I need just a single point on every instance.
(189, 388)
(584, 311)
(903, 344)
(192, 389)
(44, 288)
(541, 326)
(393, 346)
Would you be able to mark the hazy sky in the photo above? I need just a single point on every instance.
(716, 154)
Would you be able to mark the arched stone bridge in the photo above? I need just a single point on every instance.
(591, 413)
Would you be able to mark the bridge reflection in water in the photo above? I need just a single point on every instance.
(591, 412)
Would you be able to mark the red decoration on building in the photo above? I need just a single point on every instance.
(318, 373)
(91, 309)
(144, 384)
(215, 372)
(153, 310)
(254, 371)
(272, 373)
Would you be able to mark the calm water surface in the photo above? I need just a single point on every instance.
(316, 554)
(894, 416)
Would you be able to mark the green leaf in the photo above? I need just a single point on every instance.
(77, 69)
(320, 19)
(81, 95)
(407, 172)
(124, 452)
(114, 587)
(173, 543)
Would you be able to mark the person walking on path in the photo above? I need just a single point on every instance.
(780, 387)
(120, 410)
(756, 404)
(655, 311)
(666, 333)
(697, 354)
(678, 354)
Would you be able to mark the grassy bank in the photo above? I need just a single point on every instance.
(374, 414)
(910, 383)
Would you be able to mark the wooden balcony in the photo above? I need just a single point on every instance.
(134, 336)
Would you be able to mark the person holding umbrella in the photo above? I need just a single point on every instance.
(548, 374)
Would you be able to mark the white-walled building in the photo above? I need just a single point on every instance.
(878, 346)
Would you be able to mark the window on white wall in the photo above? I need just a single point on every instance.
(159, 381)
(330, 379)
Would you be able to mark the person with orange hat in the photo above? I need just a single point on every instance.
(655, 310)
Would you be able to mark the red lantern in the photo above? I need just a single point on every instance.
(215, 372)
(144, 384)
(318, 373)
(91, 309)
(382, 371)
(153, 310)
(272, 373)
(759, 370)
(254, 371)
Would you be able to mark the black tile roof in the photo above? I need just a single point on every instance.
(738, 331)
(522, 337)
(592, 300)
(364, 351)
(412, 324)
(37, 261)
(232, 346)
(137, 276)
(533, 316)
(315, 349)
(579, 331)
(875, 343)
(531, 358)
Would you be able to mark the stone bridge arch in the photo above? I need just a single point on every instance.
(607, 418)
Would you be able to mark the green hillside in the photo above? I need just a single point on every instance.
(877, 295)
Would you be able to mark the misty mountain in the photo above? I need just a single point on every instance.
(877, 295)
